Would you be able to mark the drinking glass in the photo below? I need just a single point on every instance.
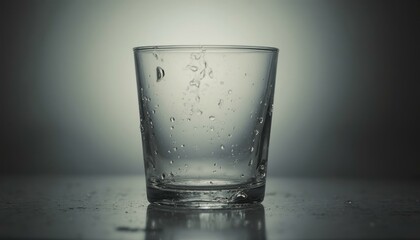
(205, 120)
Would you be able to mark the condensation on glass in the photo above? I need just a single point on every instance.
(205, 119)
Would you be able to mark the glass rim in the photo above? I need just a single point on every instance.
(206, 48)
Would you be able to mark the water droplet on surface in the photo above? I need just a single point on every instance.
(169, 151)
(155, 152)
(175, 148)
(171, 162)
(189, 119)
(261, 171)
(182, 145)
(211, 182)
(229, 135)
(239, 196)
(349, 202)
(195, 56)
(222, 147)
(252, 149)
(242, 175)
(172, 127)
(212, 128)
(199, 112)
(192, 68)
(251, 161)
(163, 176)
(195, 83)
(171, 175)
(215, 164)
(260, 120)
(172, 119)
(197, 98)
(160, 73)
(229, 91)
(212, 118)
(210, 73)
(220, 103)
(153, 111)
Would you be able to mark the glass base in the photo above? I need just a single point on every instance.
(208, 197)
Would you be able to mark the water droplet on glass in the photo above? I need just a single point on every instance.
(155, 152)
(230, 91)
(229, 135)
(199, 112)
(215, 164)
(260, 120)
(251, 161)
(261, 101)
(211, 73)
(349, 201)
(153, 111)
(186, 165)
(171, 175)
(211, 182)
(252, 149)
(261, 171)
(171, 162)
(222, 147)
(195, 56)
(169, 151)
(212, 118)
(175, 148)
(220, 103)
(182, 145)
(197, 98)
(189, 119)
(172, 119)
(212, 128)
(195, 83)
(192, 68)
(163, 176)
(160, 73)
(242, 175)
(172, 127)
(240, 196)
(155, 55)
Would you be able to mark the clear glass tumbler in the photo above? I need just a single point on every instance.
(205, 119)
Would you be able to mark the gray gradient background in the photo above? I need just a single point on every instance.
(347, 92)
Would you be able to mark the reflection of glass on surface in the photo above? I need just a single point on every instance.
(183, 223)
(205, 119)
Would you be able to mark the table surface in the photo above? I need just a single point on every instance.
(115, 207)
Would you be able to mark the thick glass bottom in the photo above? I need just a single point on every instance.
(232, 196)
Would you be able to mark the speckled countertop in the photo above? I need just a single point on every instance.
(115, 207)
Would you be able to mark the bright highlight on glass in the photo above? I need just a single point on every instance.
(205, 115)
